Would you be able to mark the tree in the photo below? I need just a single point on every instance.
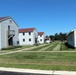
(61, 36)
(52, 37)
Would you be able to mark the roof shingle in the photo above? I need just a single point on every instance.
(3, 18)
(26, 30)
(40, 33)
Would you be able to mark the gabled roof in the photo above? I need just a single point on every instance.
(72, 31)
(26, 30)
(40, 33)
(4, 18)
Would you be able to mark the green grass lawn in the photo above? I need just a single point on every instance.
(47, 59)
(17, 47)
(54, 46)
(40, 48)
(40, 60)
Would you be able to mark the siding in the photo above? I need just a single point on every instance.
(27, 37)
(70, 39)
(41, 38)
(4, 32)
(3, 35)
(0, 36)
(74, 38)
(35, 34)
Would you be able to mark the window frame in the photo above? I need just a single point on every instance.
(29, 33)
(40, 35)
(23, 40)
(23, 33)
(40, 39)
(29, 39)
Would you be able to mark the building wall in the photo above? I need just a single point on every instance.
(41, 38)
(0, 36)
(70, 39)
(74, 38)
(3, 36)
(35, 35)
(4, 32)
(27, 37)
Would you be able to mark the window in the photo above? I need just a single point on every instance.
(23, 40)
(29, 39)
(29, 33)
(40, 39)
(8, 30)
(17, 42)
(23, 33)
(40, 35)
(10, 21)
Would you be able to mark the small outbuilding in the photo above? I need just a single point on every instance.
(47, 39)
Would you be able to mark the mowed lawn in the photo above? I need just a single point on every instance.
(40, 60)
(54, 46)
(53, 56)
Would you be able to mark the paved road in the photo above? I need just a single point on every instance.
(16, 73)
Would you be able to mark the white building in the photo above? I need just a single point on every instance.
(28, 36)
(47, 39)
(41, 37)
(71, 38)
(8, 32)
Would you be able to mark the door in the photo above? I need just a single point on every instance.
(10, 41)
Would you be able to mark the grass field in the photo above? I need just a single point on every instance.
(40, 60)
(54, 46)
(42, 57)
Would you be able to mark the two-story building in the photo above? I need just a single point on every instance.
(28, 36)
(8, 32)
(41, 37)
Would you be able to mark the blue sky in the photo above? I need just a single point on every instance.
(50, 16)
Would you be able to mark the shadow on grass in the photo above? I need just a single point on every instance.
(11, 47)
(69, 46)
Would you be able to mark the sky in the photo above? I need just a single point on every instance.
(49, 16)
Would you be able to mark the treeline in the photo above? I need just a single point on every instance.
(60, 36)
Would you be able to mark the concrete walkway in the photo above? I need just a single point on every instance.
(48, 72)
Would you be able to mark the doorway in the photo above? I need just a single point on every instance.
(10, 41)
